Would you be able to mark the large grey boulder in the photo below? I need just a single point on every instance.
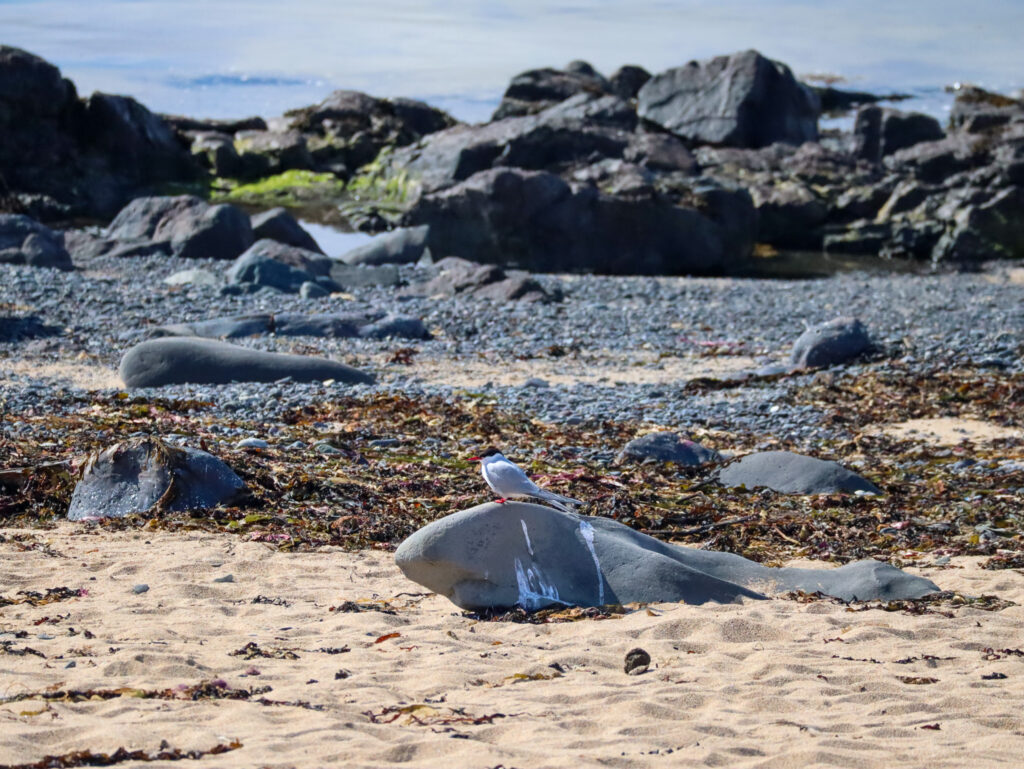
(62, 156)
(190, 227)
(23, 240)
(668, 447)
(742, 100)
(502, 555)
(278, 224)
(280, 266)
(536, 221)
(829, 344)
(144, 476)
(404, 245)
(790, 473)
(180, 360)
(324, 325)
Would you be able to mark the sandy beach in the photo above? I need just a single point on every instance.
(344, 662)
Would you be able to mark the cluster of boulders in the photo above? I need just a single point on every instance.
(683, 171)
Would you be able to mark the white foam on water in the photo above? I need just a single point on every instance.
(588, 536)
(534, 591)
(526, 534)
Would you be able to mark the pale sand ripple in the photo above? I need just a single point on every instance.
(763, 684)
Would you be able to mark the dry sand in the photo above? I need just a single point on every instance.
(950, 431)
(762, 684)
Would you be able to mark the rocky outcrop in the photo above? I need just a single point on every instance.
(536, 221)
(881, 131)
(742, 100)
(278, 224)
(63, 156)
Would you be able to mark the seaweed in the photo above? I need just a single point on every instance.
(87, 757)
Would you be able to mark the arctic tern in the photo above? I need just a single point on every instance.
(507, 480)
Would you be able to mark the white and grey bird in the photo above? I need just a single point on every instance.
(506, 479)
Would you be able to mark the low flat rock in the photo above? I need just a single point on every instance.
(144, 475)
(182, 360)
(498, 556)
(668, 447)
(404, 245)
(837, 341)
(790, 473)
(377, 326)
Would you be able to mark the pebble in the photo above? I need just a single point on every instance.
(140, 588)
(225, 578)
(252, 443)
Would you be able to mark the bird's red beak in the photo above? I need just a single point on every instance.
(474, 459)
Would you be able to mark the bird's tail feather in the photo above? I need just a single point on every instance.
(558, 501)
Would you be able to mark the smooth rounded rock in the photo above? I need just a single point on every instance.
(181, 360)
(829, 344)
(790, 473)
(503, 555)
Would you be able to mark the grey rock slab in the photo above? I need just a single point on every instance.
(181, 360)
(141, 475)
(741, 100)
(668, 447)
(790, 473)
(828, 344)
(404, 245)
(352, 276)
(502, 555)
(881, 131)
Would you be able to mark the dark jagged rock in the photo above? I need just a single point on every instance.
(182, 360)
(934, 162)
(790, 473)
(990, 229)
(829, 344)
(573, 133)
(264, 153)
(668, 447)
(880, 131)
(62, 156)
(25, 241)
(536, 221)
(459, 277)
(348, 129)
(278, 224)
(660, 152)
(400, 246)
(742, 100)
(190, 227)
(537, 89)
(497, 556)
(280, 266)
(324, 325)
(145, 475)
(976, 110)
(627, 80)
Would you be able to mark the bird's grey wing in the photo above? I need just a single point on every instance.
(505, 478)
